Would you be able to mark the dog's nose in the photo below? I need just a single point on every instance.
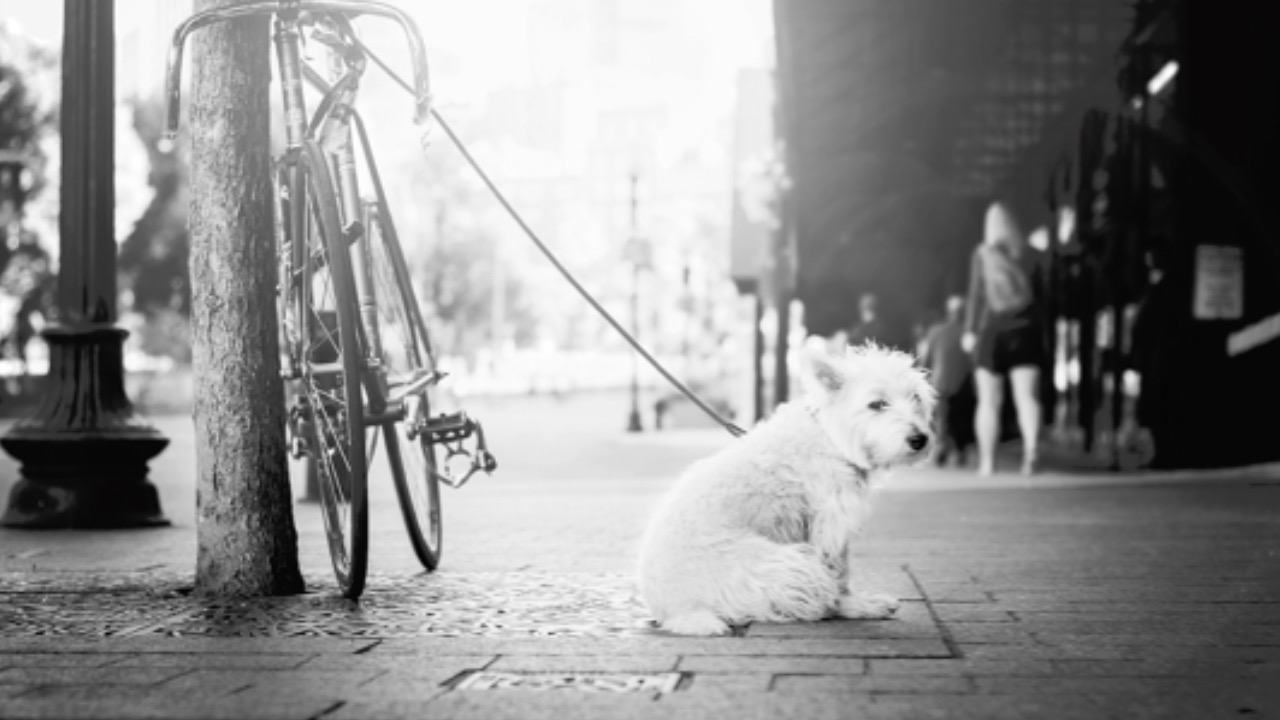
(918, 441)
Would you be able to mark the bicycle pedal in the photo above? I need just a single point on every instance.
(449, 428)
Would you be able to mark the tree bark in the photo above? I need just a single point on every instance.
(247, 544)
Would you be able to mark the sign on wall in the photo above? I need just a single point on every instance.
(1259, 333)
(1219, 290)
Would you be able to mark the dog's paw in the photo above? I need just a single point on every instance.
(867, 607)
(696, 623)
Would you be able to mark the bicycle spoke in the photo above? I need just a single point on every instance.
(335, 476)
(326, 387)
(332, 430)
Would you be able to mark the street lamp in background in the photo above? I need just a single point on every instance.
(637, 251)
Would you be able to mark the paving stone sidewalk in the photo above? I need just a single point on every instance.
(1059, 596)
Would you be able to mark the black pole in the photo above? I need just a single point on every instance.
(757, 357)
(781, 369)
(633, 419)
(84, 455)
(782, 242)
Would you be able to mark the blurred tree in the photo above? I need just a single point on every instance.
(153, 257)
(451, 232)
(153, 261)
(26, 113)
(26, 296)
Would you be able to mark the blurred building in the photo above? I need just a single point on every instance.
(563, 104)
(1139, 135)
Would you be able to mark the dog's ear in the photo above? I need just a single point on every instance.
(825, 374)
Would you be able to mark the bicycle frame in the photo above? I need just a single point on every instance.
(334, 124)
(331, 126)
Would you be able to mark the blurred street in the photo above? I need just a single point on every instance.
(1081, 594)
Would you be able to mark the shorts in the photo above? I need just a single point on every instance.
(1010, 343)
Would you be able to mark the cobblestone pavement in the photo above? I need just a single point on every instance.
(1061, 596)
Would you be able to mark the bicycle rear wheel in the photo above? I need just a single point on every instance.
(320, 326)
(409, 367)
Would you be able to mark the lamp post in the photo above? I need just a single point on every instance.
(84, 453)
(637, 251)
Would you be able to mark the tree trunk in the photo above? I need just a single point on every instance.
(247, 541)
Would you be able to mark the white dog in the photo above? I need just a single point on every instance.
(761, 531)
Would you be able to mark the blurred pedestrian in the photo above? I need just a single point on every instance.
(951, 371)
(921, 327)
(870, 326)
(1005, 331)
(1151, 321)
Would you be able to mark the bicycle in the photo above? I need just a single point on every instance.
(355, 349)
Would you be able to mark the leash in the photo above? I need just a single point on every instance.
(733, 429)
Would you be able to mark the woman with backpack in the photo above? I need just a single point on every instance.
(1005, 331)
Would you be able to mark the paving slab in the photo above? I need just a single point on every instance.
(702, 665)
(219, 708)
(964, 666)
(874, 685)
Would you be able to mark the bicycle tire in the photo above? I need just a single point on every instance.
(330, 361)
(406, 356)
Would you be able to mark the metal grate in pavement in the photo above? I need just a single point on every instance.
(503, 605)
(654, 683)
(479, 604)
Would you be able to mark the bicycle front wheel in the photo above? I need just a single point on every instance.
(321, 329)
(409, 367)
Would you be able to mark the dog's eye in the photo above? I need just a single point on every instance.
(878, 405)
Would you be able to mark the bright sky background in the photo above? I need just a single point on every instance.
(41, 20)
(671, 63)
(496, 43)
(550, 94)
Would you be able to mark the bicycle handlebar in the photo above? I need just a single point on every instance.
(417, 51)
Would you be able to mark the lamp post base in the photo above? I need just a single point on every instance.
(89, 504)
(83, 453)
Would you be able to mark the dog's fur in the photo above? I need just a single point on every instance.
(762, 530)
